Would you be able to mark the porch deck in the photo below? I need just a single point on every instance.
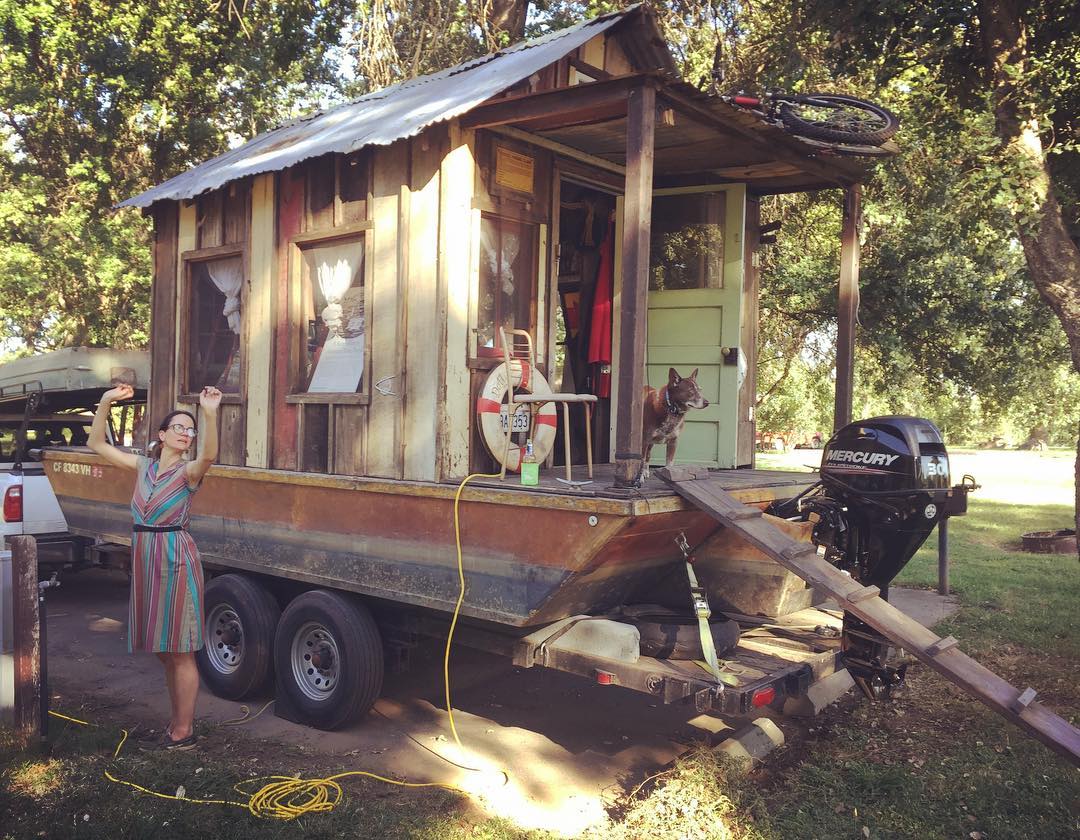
(603, 482)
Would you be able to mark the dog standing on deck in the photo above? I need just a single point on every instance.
(665, 414)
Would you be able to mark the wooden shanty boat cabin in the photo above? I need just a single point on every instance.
(347, 280)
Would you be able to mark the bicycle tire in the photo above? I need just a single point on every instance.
(886, 124)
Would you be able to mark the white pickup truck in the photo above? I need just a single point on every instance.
(47, 401)
(29, 505)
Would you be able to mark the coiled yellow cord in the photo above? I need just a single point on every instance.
(289, 797)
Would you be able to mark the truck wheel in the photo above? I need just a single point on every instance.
(328, 657)
(238, 633)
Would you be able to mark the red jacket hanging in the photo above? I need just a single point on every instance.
(600, 327)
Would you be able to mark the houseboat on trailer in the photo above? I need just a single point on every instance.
(350, 281)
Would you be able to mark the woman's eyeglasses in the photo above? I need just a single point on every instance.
(184, 430)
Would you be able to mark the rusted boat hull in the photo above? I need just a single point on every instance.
(530, 558)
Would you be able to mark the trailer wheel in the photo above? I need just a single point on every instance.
(328, 657)
(238, 633)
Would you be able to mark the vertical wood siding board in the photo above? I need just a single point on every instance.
(455, 260)
(163, 309)
(187, 237)
(421, 360)
(401, 384)
(237, 212)
(290, 204)
(261, 284)
(210, 219)
(384, 416)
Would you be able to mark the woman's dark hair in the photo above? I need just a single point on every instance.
(154, 448)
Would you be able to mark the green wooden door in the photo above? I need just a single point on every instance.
(695, 292)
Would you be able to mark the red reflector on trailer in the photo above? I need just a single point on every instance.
(13, 504)
(605, 678)
(763, 697)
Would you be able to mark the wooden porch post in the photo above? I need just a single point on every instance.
(849, 305)
(637, 224)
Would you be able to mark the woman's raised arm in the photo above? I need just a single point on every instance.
(97, 441)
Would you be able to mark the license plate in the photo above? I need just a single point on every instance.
(521, 419)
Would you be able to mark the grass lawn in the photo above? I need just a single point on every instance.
(932, 764)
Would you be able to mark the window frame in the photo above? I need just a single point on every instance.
(359, 231)
(188, 259)
(479, 356)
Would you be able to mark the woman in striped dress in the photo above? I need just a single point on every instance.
(165, 612)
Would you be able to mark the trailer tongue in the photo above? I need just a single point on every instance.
(884, 485)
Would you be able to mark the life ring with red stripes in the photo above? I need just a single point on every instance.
(491, 411)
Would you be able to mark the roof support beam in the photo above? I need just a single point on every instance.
(849, 306)
(589, 102)
(637, 228)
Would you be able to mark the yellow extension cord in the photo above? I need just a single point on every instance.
(289, 797)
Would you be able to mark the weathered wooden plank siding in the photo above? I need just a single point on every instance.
(162, 391)
(421, 383)
(187, 240)
(290, 218)
(262, 281)
(456, 184)
(384, 413)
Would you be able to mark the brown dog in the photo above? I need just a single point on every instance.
(665, 414)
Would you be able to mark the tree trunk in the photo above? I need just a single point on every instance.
(509, 16)
(1053, 259)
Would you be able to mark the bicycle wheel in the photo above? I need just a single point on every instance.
(838, 119)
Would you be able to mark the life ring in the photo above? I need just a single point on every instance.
(491, 406)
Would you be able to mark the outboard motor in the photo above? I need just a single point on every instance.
(884, 486)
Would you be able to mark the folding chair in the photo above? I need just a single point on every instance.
(517, 347)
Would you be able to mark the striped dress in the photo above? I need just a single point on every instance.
(165, 610)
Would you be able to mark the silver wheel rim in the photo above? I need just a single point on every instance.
(315, 661)
(224, 639)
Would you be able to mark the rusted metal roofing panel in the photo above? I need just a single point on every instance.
(380, 118)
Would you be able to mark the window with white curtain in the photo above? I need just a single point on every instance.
(508, 271)
(335, 317)
(213, 338)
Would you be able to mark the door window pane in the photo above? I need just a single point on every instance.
(687, 245)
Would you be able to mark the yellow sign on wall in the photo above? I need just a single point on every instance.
(513, 170)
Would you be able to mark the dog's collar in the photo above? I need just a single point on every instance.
(671, 407)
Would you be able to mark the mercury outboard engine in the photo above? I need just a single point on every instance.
(884, 486)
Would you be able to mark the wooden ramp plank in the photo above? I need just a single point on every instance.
(940, 654)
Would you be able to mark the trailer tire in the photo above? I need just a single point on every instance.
(328, 657)
(238, 634)
(678, 637)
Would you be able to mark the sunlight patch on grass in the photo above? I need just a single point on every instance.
(36, 778)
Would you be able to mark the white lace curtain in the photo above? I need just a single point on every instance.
(335, 267)
(228, 276)
(511, 244)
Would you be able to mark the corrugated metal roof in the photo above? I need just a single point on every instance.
(382, 117)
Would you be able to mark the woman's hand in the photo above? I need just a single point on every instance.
(210, 398)
(118, 394)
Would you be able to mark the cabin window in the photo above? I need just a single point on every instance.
(508, 269)
(687, 248)
(213, 335)
(334, 317)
